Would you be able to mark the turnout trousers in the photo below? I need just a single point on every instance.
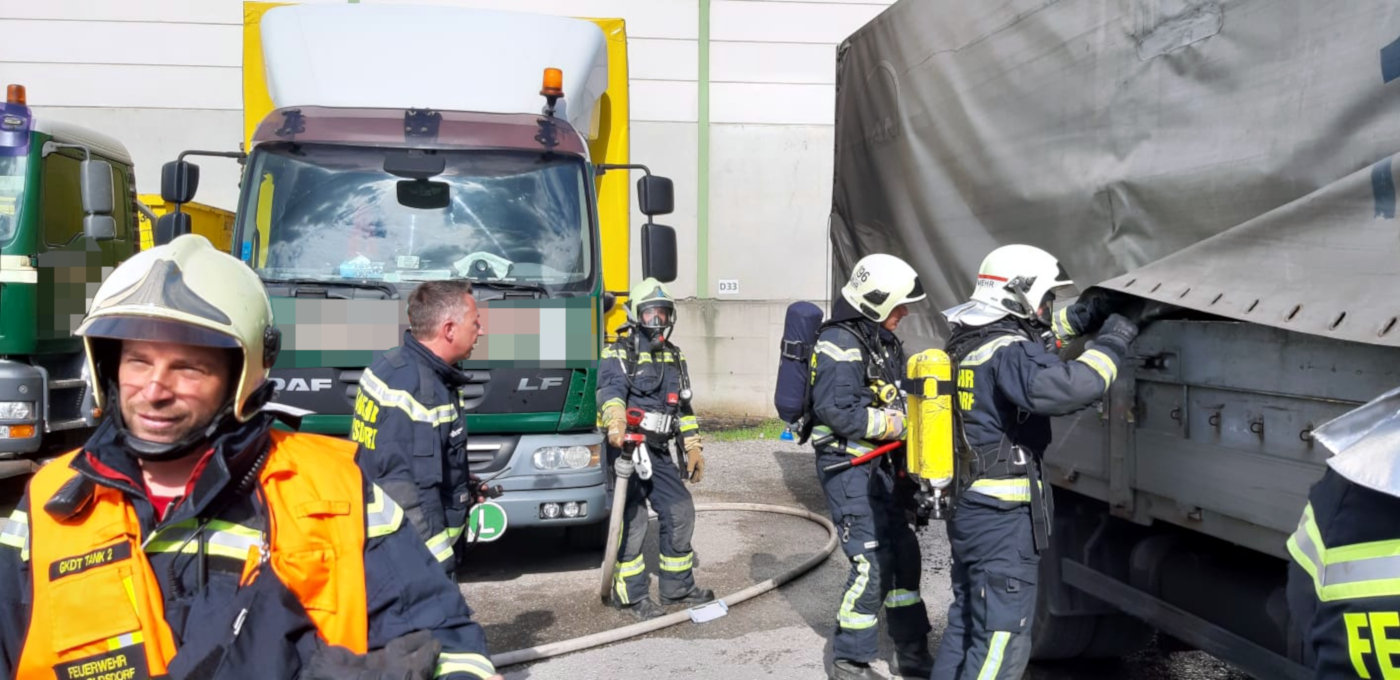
(675, 509)
(994, 575)
(884, 556)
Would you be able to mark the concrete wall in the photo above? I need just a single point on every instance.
(165, 75)
(731, 348)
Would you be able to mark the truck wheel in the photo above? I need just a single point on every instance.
(587, 536)
(1059, 637)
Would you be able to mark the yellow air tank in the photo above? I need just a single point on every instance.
(930, 427)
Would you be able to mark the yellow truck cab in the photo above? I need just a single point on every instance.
(391, 145)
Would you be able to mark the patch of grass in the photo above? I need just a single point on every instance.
(770, 428)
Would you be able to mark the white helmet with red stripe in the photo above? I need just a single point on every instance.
(1017, 278)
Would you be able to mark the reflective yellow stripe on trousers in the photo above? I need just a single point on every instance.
(626, 570)
(848, 617)
(682, 563)
(899, 597)
(996, 652)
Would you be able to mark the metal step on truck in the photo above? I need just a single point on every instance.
(1234, 159)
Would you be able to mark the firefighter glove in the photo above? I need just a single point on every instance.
(1116, 334)
(615, 420)
(1089, 312)
(893, 425)
(694, 459)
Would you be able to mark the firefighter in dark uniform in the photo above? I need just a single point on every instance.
(187, 538)
(857, 364)
(643, 370)
(408, 417)
(1344, 579)
(1010, 381)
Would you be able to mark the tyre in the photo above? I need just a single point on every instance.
(1059, 637)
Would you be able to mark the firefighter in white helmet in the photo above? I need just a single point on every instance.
(187, 538)
(858, 363)
(1009, 382)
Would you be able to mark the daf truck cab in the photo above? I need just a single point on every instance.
(465, 144)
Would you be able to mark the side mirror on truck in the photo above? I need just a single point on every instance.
(170, 225)
(659, 252)
(96, 189)
(655, 195)
(178, 181)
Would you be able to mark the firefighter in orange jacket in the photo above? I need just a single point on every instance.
(187, 539)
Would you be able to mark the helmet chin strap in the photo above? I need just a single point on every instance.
(156, 452)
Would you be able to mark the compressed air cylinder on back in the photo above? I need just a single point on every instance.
(930, 425)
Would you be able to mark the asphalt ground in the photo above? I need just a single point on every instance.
(531, 587)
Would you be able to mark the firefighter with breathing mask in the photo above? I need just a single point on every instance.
(645, 372)
(1010, 381)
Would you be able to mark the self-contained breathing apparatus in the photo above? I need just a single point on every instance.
(1008, 459)
(651, 431)
(648, 429)
(924, 394)
(929, 432)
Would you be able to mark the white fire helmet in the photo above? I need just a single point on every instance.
(879, 283)
(184, 292)
(1016, 278)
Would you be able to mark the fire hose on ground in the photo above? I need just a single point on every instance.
(547, 650)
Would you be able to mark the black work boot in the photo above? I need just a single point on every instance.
(912, 660)
(845, 669)
(697, 595)
(643, 609)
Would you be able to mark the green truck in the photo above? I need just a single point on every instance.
(67, 217)
(366, 176)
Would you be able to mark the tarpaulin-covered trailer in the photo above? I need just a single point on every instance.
(1234, 158)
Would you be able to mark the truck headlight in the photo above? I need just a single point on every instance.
(565, 457)
(16, 410)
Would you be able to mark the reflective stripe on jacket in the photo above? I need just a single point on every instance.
(411, 428)
(844, 401)
(1008, 386)
(94, 576)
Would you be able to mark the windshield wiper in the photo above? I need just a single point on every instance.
(512, 286)
(389, 291)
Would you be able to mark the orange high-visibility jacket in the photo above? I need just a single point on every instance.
(97, 606)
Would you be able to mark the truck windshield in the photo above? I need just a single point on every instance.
(331, 213)
(12, 170)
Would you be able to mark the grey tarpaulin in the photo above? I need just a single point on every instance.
(1234, 156)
